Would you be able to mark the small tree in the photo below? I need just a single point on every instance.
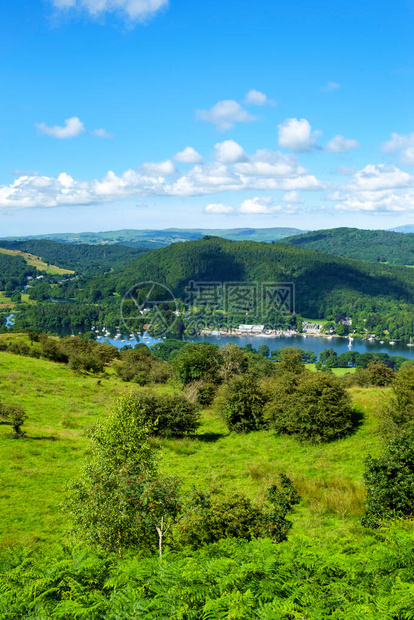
(107, 502)
(161, 498)
(390, 482)
(311, 406)
(198, 361)
(241, 402)
(15, 416)
(292, 360)
(399, 411)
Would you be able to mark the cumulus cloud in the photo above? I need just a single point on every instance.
(72, 128)
(188, 156)
(133, 10)
(376, 189)
(229, 152)
(297, 135)
(255, 97)
(264, 171)
(225, 114)
(264, 206)
(162, 168)
(218, 208)
(330, 86)
(257, 205)
(380, 177)
(266, 163)
(339, 144)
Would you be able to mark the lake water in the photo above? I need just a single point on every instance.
(313, 343)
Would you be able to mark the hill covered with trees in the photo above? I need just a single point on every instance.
(83, 258)
(384, 246)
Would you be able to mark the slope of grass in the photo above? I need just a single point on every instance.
(35, 470)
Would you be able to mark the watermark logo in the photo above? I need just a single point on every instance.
(206, 307)
(152, 304)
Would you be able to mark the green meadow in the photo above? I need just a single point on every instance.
(61, 405)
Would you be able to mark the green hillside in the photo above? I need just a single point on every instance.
(373, 245)
(84, 258)
(322, 281)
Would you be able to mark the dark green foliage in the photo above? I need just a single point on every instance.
(229, 517)
(376, 374)
(374, 245)
(263, 350)
(282, 499)
(312, 406)
(241, 404)
(14, 272)
(171, 415)
(291, 361)
(139, 366)
(390, 482)
(211, 519)
(167, 349)
(106, 503)
(83, 258)
(198, 361)
(15, 416)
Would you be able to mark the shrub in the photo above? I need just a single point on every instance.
(171, 415)
(399, 411)
(390, 482)
(199, 361)
(375, 374)
(15, 416)
(212, 519)
(241, 404)
(311, 406)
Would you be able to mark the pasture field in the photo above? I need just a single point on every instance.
(61, 405)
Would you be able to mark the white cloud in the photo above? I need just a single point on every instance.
(339, 144)
(225, 114)
(255, 97)
(330, 86)
(134, 10)
(380, 177)
(162, 168)
(292, 198)
(73, 128)
(218, 208)
(265, 171)
(188, 156)
(102, 133)
(398, 142)
(297, 135)
(264, 206)
(229, 152)
(266, 163)
(257, 205)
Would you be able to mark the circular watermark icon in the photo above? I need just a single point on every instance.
(152, 303)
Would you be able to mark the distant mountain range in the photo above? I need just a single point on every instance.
(153, 239)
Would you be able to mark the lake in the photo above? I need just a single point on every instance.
(313, 343)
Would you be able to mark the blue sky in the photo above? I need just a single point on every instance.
(155, 113)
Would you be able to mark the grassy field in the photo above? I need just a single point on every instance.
(35, 261)
(34, 471)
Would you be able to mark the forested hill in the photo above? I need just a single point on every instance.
(322, 281)
(384, 246)
(86, 259)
